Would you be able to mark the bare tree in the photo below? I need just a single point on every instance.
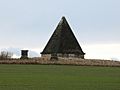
(5, 55)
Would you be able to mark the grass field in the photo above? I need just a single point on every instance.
(56, 77)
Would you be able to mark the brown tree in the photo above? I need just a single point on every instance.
(4, 55)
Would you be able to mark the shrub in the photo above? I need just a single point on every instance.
(5, 55)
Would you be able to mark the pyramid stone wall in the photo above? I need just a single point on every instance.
(72, 56)
(46, 56)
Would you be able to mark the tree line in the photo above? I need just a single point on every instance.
(4, 55)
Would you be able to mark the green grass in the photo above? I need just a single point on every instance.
(56, 77)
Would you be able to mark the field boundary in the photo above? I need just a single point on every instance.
(64, 61)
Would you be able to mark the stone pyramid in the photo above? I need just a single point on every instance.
(63, 41)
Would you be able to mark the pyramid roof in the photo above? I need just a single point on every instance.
(63, 40)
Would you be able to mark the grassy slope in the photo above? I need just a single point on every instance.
(53, 77)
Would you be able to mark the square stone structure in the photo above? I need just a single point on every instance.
(63, 43)
(24, 54)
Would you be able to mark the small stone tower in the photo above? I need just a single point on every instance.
(24, 54)
(63, 43)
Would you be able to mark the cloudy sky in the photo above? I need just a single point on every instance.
(28, 24)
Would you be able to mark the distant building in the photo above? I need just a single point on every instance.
(24, 54)
(63, 43)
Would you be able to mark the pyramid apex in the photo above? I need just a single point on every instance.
(63, 17)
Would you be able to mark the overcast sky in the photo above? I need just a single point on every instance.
(30, 23)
